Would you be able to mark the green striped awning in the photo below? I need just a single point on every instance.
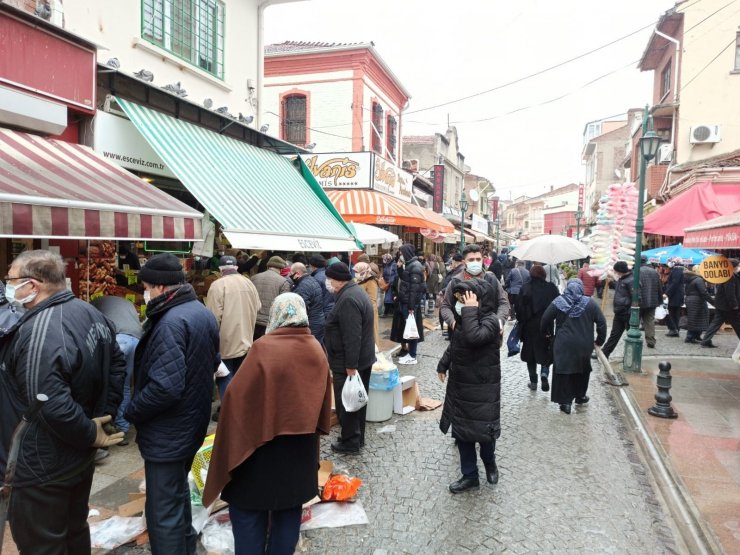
(259, 197)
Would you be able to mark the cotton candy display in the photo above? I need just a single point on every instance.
(613, 236)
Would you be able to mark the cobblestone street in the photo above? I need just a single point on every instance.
(568, 483)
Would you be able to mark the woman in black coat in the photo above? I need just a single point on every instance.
(473, 399)
(535, 296)
(696, 300)
(575, 316)
(412, 290)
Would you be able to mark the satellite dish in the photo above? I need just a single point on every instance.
(474, 195)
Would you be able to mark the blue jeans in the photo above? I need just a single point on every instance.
(168, 516)
(468, 460)
(250, 531)
(412, 343)
(127, 344)
(233, 365)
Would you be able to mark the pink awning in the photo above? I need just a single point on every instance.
(718, 233)
(702, 202)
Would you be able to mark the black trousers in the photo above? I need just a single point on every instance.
(620, 323)
(259, 331)
(353, 423)
(719, 318)
(168, 516)
(468, 460)
(674, 317)
(51, 519)
(512, 304)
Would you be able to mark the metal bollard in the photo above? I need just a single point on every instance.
(662, 407)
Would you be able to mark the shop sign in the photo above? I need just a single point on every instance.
(581, 188)
(341, 170)
(494, 208)
(718, 238)
(117, 140)
(479, 224)
(439, 188)
(716, 269)
(392, 180)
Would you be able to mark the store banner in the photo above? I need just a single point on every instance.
(581, 193)
(341, 170)
(718, 238)
(479, 224)
(439, 188)
(390, 179)
(117, 140)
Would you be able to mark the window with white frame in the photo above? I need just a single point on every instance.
(192, 30)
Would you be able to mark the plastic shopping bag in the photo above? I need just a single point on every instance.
(411, 331)
(512, 343)
(354, 396)
(661, 312)
(340, 488)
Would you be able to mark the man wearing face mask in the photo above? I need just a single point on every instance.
(349, 340)
(66, 349)
(473, 260)
(171, 405)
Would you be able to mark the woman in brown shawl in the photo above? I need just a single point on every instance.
(265, 457)
(367, 278)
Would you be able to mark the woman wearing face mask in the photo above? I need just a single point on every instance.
(411, 291)
(473, 398)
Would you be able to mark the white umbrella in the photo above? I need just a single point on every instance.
(371, 235)
(550, 249)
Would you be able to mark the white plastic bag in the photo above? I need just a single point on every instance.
(736, 354)
(411, 331)
(354, 396)
(222, 371)
(115, 531)
(660, 312)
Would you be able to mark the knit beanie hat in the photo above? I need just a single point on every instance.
(162, 269)
(363, 258)
(621, 267)
(276, 262)
(317, 261)
(339, 272)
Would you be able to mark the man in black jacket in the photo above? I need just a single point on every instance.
(675, 294)
(66, 349)
(651, 295)
(310, 291)
(349, 339)
(622, 304)
(726, 306)
(412, 290)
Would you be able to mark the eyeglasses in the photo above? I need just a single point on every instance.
(8, 278)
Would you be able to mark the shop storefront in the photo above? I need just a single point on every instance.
(719, 234)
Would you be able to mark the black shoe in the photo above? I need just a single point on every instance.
(402, 353)
(125, 440)
(565, 409)
(545, 383)
(672, 334)
(339, 447)
(651, 345)
(492, 473)
(708, 344)
(215, 414)
(582, 400)
(532, 386)
(464, 484)
(692, 340)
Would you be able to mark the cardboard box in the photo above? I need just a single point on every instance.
(411, 397)
(403, 401)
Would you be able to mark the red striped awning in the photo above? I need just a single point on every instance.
(55, 189)
(366, 206)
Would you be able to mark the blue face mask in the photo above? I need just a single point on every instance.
(474, 268)
(458, 308)
(10, 294)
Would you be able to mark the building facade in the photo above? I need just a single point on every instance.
(335, 97)
(553, 213)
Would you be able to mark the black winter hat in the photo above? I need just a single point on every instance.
(162, 269)
(621, 267)
(339, 271)
(317, 261)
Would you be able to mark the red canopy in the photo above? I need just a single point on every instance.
(702, 202)
(719, 233)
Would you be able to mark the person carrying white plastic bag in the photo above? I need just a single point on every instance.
(411, 331)
(354, 396)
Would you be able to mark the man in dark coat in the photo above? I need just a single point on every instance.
(473, 268)
(310, 291)
(171, 406)
(696, 299)
(726, 306)
(622, 304)
(349, 339)
(412, 290)
(473, 398)
(518, 276)
(674, 292)
(496, 267)
(651, 296)
(65, 349)
(318, 265)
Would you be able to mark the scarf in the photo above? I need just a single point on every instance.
(159, 305)
(288, 310)
(363, 271)
(572, 302)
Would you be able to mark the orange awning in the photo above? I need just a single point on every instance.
(366, 206)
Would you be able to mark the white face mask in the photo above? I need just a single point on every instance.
(330, 286)
(10, 294)
(458, 307)
(474, 267)
(147, 296)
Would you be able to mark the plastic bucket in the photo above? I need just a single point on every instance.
(379, 405)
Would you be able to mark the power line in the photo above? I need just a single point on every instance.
(312, 128)
(710, 62)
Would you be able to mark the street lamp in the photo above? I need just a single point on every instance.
(463, 209)
(579, 215)
(649, 144)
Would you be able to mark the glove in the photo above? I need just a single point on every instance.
(103, 439)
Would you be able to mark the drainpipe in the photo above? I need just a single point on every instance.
(676, 64)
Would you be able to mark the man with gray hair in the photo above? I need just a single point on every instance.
(64, 348)
(310, 291)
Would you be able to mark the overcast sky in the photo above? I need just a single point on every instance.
(442, 51)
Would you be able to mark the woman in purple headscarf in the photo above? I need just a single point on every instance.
(575, 316)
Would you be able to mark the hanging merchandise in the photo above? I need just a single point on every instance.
(613, 238)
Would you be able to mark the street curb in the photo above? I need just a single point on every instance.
(695, 533)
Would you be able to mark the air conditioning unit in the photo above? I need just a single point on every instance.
(702, 134)
(665, 153)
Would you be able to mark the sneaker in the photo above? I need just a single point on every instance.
(408, 359)
(100, 454)
(403, 353)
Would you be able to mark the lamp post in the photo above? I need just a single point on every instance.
(579, 215)
(463, 209)
(649, 144)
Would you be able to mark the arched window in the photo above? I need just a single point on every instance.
(294, 119)
(377, 130)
